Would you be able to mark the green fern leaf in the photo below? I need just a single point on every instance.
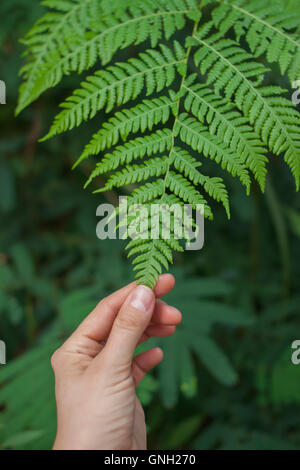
(140, 118)
(147, 192)
(173, 105)
(267, 30)
(77, 33)
(232, 70)
(69, 22)
(133, 150)
(136, 173)
(197, 136)
(154, 70)
(187, 165)
(226, 123)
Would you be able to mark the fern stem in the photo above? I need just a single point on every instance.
(281, 235)
(196, 24)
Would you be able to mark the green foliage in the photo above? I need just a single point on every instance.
(233, 115)
(33, 372)
(194, 336)
(71, 38)
(268, 31)
(117, 85)
(53, 269)
(229, 126)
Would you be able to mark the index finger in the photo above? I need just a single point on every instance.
(98, 323)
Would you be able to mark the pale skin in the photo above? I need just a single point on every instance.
(96, 372)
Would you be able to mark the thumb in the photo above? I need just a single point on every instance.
(129, 325)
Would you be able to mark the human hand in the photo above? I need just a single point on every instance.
(96, 374)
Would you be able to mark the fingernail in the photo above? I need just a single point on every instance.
(142, 298)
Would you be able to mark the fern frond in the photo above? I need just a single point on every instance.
(68, 23)
(136, 173)
(140, 118)
(79, 32)
(197, 136)
(232, 70)
(267, 30)
(167, 209)
(146, 192)
(186, 164)
(200, 96)
(154, 254)
(226, 123)
(133, 150)
(163, 218)
(118, 84)
(182, 187)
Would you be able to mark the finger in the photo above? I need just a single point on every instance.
(165, 314)
(129, 325)
(157, 331)
(98, 323)
(164, 285)
(144, 362)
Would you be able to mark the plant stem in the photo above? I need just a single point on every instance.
(196, 24)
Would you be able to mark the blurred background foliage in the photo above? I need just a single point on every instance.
(227, 381)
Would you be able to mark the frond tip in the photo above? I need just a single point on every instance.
(151, 256)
